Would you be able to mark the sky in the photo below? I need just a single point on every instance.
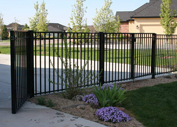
(59, 11)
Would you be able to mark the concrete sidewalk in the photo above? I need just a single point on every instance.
(31, 115)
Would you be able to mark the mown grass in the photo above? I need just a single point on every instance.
(8, 40)
(142, 56)
(4, 49)
(154, 106)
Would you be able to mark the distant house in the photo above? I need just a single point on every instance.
(92, 29)
(145, 19)
(14, 26)
(56, 27)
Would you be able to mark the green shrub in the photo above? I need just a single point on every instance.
(41, 101)
(50, 103)
(109, 96)
(73, 78)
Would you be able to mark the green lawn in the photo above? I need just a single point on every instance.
(154, 106)
(8, 40)
(4, 49)
(143, 57)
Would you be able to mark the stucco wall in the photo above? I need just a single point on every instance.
(146, 25)
(124, 27)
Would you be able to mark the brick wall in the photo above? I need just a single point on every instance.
(124, 28)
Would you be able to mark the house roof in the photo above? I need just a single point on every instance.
(10, 26)
(148, 10)
(56, 27)
(125, 15)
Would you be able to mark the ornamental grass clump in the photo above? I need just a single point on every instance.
(109, 96)
(112, 114)
(91, 99)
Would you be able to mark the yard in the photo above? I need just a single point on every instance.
(8, 40)
(142, 56)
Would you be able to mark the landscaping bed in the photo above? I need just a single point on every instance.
(84, 110)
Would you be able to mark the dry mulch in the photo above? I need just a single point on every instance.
(81, 109)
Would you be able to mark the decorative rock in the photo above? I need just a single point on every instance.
(123, 85)
(121, 108)
(78, 98)
(82, 107)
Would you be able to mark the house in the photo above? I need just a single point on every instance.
(56, 27)
(144, 19)
(14, 26)
(92, 29)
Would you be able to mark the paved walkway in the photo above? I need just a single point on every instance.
(31, 115)
(4, 43)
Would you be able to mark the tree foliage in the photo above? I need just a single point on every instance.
(167, 17)
(26, 27)
(39, 22)
(105, 21)
(1, 24)
(4, 33)
(15, 24)
(77, 18)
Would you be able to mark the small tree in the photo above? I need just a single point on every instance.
(39, 22)
(77, 17)
(1, 25)
(15, 24)
(72, 77)
(43, 22)
(35, 20)
(4, 33)
(26, 27)
(117, 25)
(105, 21)
(167, 19)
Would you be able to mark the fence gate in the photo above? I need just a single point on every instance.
(21, 68)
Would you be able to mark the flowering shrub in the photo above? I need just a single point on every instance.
(111, 86)
(112, 114)
(91, 99)
(109, 96)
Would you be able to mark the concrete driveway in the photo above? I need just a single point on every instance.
(31, 115)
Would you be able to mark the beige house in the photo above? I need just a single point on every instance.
(145, 19)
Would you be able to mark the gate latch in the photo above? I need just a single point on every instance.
(12, 38)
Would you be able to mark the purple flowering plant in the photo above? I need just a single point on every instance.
(111, 86)
(112, 114)
(91, 99)
(109, 95)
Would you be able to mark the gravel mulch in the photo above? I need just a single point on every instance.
(81, 109)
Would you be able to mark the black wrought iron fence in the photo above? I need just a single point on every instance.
(166, 54)
(111, 57)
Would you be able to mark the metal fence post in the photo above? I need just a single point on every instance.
(132, 55)
(153, 55)
(30, 64)
(13, 72)
(101, 60)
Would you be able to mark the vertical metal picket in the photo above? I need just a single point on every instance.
(13, 72)
(132, 55)
(101, 56)
(153, 65)
(30, 64)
